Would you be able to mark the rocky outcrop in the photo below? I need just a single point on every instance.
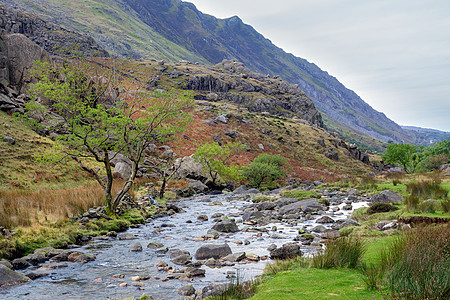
(280, 98)
(51, 37)
(288, 250)
(17, 55)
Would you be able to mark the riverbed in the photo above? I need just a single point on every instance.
(115, 264)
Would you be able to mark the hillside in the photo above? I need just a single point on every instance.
(175, 30)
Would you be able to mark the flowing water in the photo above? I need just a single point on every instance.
(95, 280)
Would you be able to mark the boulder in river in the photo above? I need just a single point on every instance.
(212, 251)
(10, 277)
(304, 205)
(226, 226)
(181, 259)
(186, 290)
(136, 247)
(288, 250)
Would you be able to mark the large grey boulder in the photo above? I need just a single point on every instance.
(122, 166)
(386, 196)
(212, 251)
(197, 187)
(288, 250)
(19, 54)
(226, 226)
(304, 205)
(189, 168)
(10, 277)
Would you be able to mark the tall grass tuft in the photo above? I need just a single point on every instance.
(238, 289)
(427, 189)
(345, 252)
(26, 208)
(418, 267)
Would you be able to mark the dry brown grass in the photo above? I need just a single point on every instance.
(31, 208)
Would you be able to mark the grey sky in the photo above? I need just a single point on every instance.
(395, 54)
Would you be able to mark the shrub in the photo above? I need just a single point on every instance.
(345, 252)
(380, 208)
(265, 169)
(445, 205)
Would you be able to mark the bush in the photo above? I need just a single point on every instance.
(265, 169)
(345, 252)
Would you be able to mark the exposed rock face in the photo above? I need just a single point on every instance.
(17, 55)
(280, 98)
(53, 38)
(304, 205)
(10, 277)
(386, 196)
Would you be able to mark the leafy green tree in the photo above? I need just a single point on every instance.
(265, 169)
(406, 155)
(99, 124)
(216, 160)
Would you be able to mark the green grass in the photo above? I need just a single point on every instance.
(316, 284)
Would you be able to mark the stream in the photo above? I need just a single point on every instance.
(97, 280)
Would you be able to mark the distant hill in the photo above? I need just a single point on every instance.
(175, 30)
(427, 136)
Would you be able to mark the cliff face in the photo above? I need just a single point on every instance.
(53, 38)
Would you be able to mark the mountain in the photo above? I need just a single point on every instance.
(427, 136)
(174, 30)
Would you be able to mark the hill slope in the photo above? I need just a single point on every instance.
(174, 30)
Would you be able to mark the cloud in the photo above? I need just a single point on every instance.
(394, 54)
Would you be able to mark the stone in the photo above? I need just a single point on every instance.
(197, 187)
(344, 223)
(181, 259)
(80, 257)
(222, 119)
(324, 220)
(126, 236)
(266, 205)
(226, 226)
(20, 263)
(202, 218)
(34, 276)
(136, 247)
(288, 250)
(6, 263)
(10, 277)
(445, 168)
(261, 147)
(215, 251)
(195, 272)
(319, 228)
(186, 290)
(35, 258)
(253, 257)
(304, 205)
(162, 250)
(235, 257)
(330, 235)
(212, 97)
(9, 139)
(212, 290)
(386, 196)
(231, 133)
(53, 266)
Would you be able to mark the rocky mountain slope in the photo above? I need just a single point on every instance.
(53, 38)
(266, 114)
(174, 30)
